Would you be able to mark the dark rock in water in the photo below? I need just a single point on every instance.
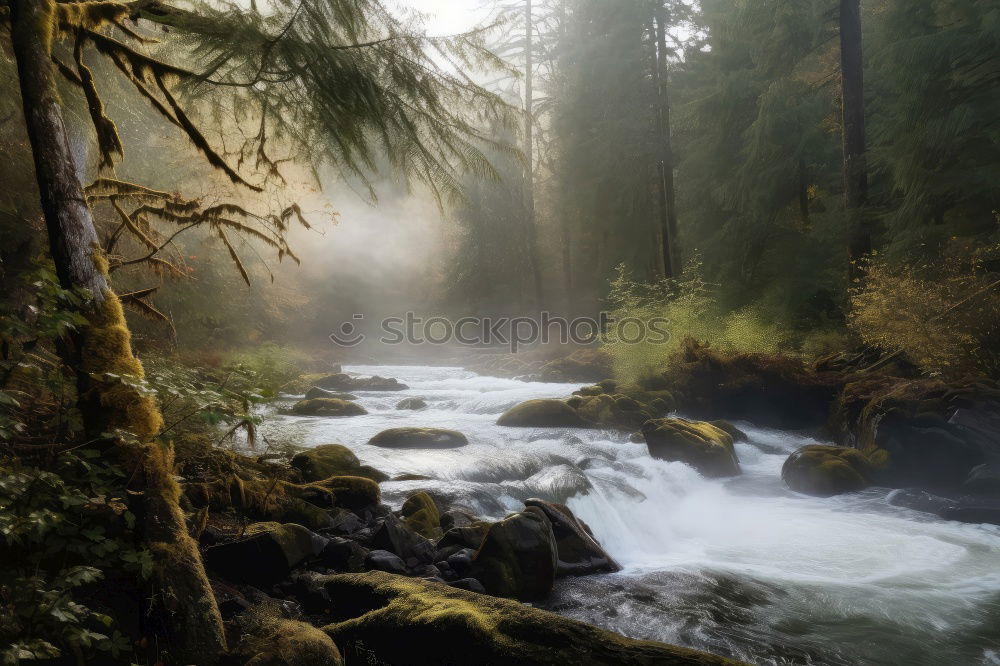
(383, 560)
(413, 622)
(920, 432)
(458, 538)
(517, 558)
(697, 443)
(542, 414)
(734, 432)
(344, 382)
(267, 553)
(419, 438)
(327, 407)
(411, 403)
(397, 537)
(317, 392)
(919, 500)
(973, 513)
(412, 477)
(342, 554)
(578, 552)
(421, 514)
(826, 470)
(322, 462)
(456, 518)
(468, 584)
(983, 479)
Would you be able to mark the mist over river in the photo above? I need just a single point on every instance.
(739, 566)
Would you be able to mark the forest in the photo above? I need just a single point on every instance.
(500, 332)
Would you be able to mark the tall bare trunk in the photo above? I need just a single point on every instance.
(665, 163)
(853, 120)
(529, 140)
(101, 353)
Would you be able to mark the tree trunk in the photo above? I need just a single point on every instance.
(101, 353)
(853, 121)
(665, 163)
(529, 170)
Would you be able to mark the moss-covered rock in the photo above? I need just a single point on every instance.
(421, 513)
(340, 381)
(282, 642)
(411, 403)
(322, 462)
(731, 430)
(518, 557)
(826, 470)
(317, 392)
(327, 407)
(542, 413)
(267, 553)
(294, 510)
(353, 492)
(613, 411)
(399, 620)
(577, 550)
(697, 443)
(419, 438)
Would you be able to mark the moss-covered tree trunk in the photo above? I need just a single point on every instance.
(101, 352)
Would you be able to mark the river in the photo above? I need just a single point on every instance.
(739, 566)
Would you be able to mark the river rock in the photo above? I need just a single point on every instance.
(542, 413)
(293, 643)
(322, 462)
(327, 407)
(518, 557)
(421, 513)
(734, 432)
(344, 382)
(577, 551)
(317, 392)
(826, 470)
(266, 554)
(383, 560)
(342, 554)
(696, 443)
(419, 438)
(418, 623)
(973, 512)
(457, 538)
(411, 403)
(397, 537)
(353, 492)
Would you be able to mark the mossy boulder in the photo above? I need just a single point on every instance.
(317, 392)
(327, 407)
(340, 381)
(301, 512)
(696, 443)
(294, 643)
(322, 462)
(398, 620)
(542, 413)
(826, 470)
(411, 404)
(267, 553)
(612, 411)
(518, 557)
(577, 550)
(419, 438)
(353, 492)
(421, 513)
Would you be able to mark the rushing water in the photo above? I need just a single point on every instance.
(740, 566)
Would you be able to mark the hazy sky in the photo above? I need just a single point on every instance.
(449, 16)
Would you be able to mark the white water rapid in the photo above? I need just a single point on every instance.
(741, 566)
